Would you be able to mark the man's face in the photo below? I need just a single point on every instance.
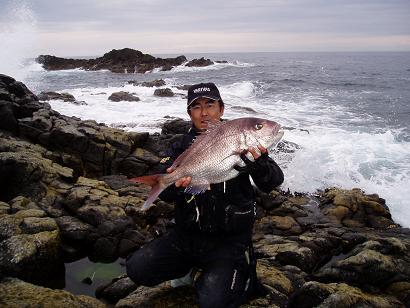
(205, 110)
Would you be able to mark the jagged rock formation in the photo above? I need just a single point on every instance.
(124, 60)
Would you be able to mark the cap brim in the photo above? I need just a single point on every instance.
(204, 96)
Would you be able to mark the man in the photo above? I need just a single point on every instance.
(213, 230)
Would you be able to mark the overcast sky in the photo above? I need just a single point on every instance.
(93, 27)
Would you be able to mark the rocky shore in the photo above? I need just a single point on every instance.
(64, 195)
(124, 60)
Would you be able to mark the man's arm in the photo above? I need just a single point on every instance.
(264, 171)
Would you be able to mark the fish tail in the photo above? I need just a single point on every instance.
(157, 186)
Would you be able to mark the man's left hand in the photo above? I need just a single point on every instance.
(255, 153)
(248, 163)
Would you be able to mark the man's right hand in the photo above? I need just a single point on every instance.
(182, 182)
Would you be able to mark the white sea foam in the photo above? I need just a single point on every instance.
(215, 66)
(145, 115)
(238, 90)
(33, 66)
(376, 163)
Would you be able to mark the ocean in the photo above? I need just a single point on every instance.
(346, 115)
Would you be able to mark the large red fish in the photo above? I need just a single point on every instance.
(213, 155)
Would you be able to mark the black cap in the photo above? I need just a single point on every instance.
(208, 90)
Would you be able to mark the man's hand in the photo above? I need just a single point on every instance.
(255, 153)
(249, 165)
(183, 182)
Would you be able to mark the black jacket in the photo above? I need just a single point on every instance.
(229, 207)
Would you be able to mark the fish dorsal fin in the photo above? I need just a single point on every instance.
(202, 135)
(212, 126)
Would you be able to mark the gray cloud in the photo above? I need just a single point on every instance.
(373, 17)
(267, 19)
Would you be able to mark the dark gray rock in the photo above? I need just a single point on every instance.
(104, 249)
(74, 229)
(32, 257)
(7, 118)
(18, 293)
(154, 83)
(123, 96)
(31, 225)
(46, 96)
(167, 92)
(199, 62)
(117, 289)
(124, 60)
(176, 126)
(316, 294)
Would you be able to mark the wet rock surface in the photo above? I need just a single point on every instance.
(64, 194)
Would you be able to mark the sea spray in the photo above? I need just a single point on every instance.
(18, 35)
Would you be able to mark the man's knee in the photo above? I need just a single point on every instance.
(223, 287)
(139, 271)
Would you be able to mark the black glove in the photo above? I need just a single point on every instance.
(251, 165)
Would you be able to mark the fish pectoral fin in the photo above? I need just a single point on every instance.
(197, 188)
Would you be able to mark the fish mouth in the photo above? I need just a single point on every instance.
(277, 129)
(280, 134)
(277, 132)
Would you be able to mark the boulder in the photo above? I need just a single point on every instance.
(316, 294)
(32, 225)
(375, 263)
(24, 174)
(159, 296)
(17, 293)
(123, 96)
(286, 252)
(46, 96)
(278, 225)
(154, 83)
(32, 257)
(271, 276)
(7, 118)
(117, 289)
(354, 208)
(74, 229)
(199, 62)
(167, 92)
(4, 208)
(176, 126)
(401, 290)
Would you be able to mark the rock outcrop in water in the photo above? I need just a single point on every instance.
(64, 195)
(117, 61)
(124, 60)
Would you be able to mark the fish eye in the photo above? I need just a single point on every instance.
(258, 126)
